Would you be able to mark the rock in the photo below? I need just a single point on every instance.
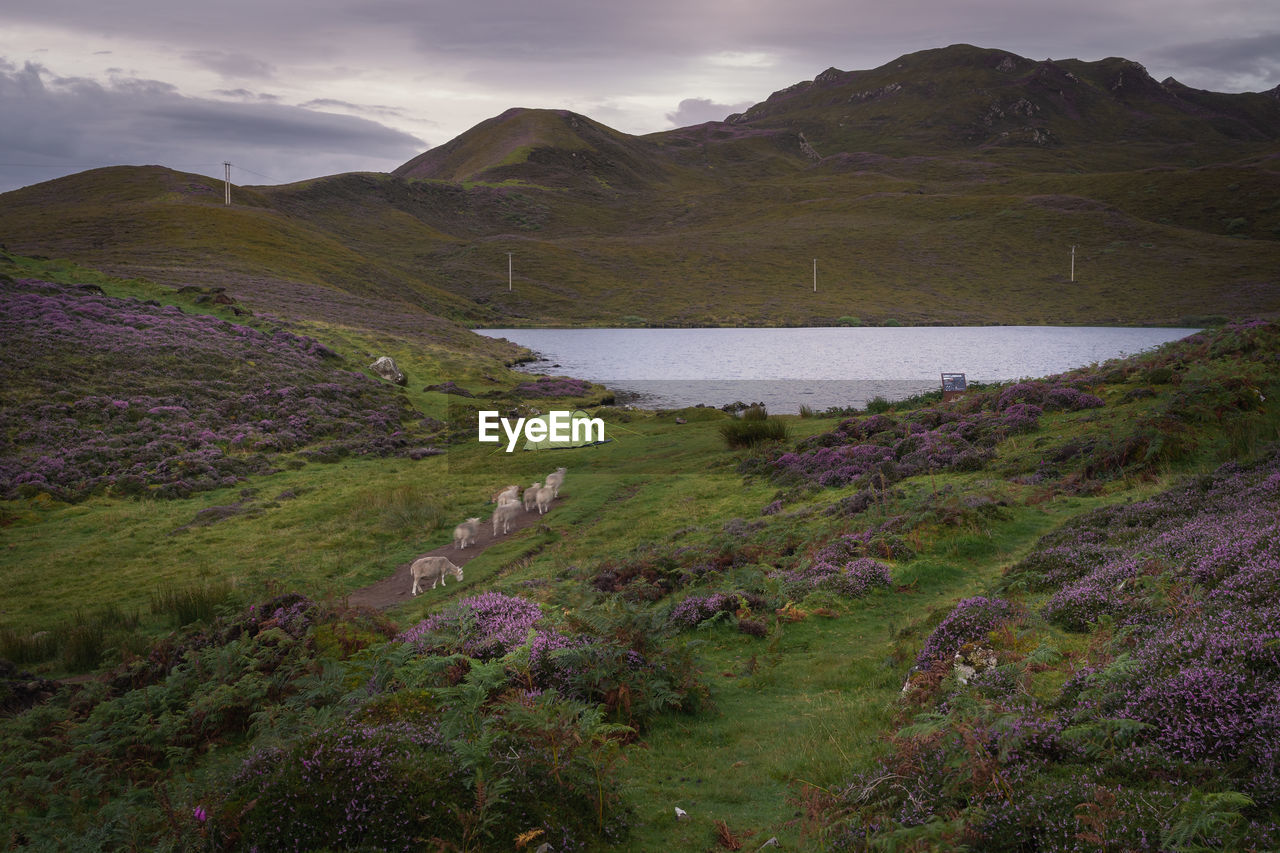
(971, 661)
(385, 366)
(807, 150)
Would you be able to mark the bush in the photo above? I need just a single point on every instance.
(969, 621)
(483, 626)
(749, 433)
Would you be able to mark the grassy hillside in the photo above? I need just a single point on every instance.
(947, 186)
(724, 631)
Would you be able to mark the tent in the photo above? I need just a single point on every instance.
(565, 429)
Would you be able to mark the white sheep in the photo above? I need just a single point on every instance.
(504, 515)
(465, 533)
(556, 479)
(510, 492)
(433, 569)
(545, 495)
(531, 496)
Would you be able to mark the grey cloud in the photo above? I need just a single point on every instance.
(246, 95)
(55, 125)
(369, 109)
(232, 65)
(1252, 61)
(699, 110)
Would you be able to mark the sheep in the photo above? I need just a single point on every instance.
(504, 515)
(512, 491)
(433, 569)
(556, 479)
(545, 494)
(531, 496)
(465, 533)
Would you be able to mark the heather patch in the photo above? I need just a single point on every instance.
(482, 626)
(119, 396)
(546, 387)
(972, 620)
(877, 450)
(625, 671)
(1164, 735)
(851, 579)
(698, 610)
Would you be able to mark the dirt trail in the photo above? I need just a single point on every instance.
(395, 589)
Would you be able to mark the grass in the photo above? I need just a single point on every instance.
(797, 712)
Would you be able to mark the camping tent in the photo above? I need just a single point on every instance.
(562, 432)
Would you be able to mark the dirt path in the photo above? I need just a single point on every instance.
(395, 589)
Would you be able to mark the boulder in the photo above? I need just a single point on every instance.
(386, 367)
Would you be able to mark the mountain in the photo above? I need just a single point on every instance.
(554, 148)
(1093, 115)
(947, 186)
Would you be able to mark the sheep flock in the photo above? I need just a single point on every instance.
(510, 505)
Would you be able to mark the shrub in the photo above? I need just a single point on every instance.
(969, 621)
(553, 386)
(851, 579)
(739, 433)
(698, 609)
(483, 626)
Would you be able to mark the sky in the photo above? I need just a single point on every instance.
(292, 89)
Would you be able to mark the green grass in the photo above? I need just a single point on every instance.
(796, 712)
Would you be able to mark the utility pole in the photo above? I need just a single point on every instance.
(509, 272)
(815, 275)
(227, 182)
(1073, 263)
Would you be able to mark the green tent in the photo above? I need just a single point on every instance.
(561, 431)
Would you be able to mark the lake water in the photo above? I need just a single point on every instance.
(818, 367)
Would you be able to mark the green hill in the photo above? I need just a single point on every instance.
(947, 186)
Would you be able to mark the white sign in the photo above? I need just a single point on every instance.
(559, 426)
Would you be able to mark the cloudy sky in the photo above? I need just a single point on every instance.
(291, 89)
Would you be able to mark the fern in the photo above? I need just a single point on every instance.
(1205, 821)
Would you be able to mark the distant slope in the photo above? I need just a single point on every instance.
(947, 186)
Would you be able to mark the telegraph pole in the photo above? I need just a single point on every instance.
(227, 182)
(815, 275)
(509, 272)
(1073, 263)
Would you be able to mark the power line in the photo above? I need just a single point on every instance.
(251, 172)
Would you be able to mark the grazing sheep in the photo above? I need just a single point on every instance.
(556, 479)
(433, 569)
(545, 495)
(465, 533)
(512, 492)
(531, 496)
(504, 515)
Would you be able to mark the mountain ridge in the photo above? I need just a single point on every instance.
(943, 187)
